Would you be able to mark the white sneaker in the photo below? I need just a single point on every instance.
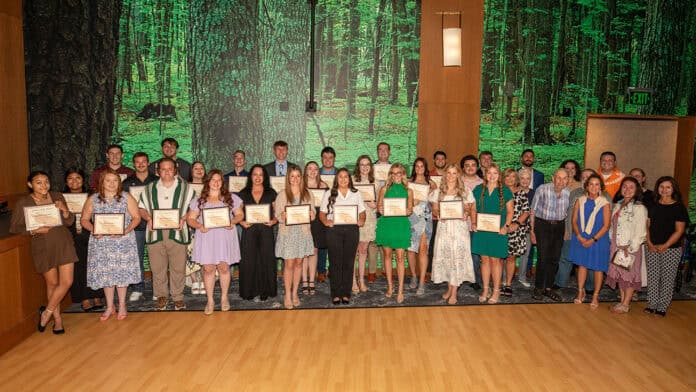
(194, 288)
(135, 296)
(201, 289)
(524, 283)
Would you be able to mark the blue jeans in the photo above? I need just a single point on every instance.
(140, 242)
(477, 267)
(322, 255)
(565, 267)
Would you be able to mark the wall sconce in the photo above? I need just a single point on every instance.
(452, 42)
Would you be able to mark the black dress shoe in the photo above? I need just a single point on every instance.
(538, 294)
(40, 327)
(345, 300)
(59, 331)
(660, 313)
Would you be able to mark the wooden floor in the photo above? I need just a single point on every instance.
(501, 348)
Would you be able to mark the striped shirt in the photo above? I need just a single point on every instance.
(548, 205)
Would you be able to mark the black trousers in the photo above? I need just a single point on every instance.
(549, 237)
(342, 242)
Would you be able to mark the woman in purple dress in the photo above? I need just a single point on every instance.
(215, 248)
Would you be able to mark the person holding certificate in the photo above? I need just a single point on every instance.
(294, 210)
(494, 208)
(112, 259)
(364, 176)
(395, 203)
(79, 291)
(454, 205)
(193, 269)
(313, 182)
(45, 216)
(258, 269)
(421, 224)
(342, 212)
(214, 215)
(517, 233)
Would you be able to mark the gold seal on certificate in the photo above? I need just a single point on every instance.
(197, 188)
(278, 183)
(345, 215)
(257, 213)
(236, 183)
(451, 209)
(165, 219)
(488, 222)
(420, 191)
(75, 201)
(437, 180)
(216, 217)
(136, 191)
(328, 179)
(381, 171)
(109, 224)
(47, 215)
(317, 195)
(367, 191)
(297, 215)
(395, 206)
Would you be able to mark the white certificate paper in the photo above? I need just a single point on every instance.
(437, 180)
(381, 171)
(345, 215)
(216, 217)
(257, 213)
(278, 183)
(488, 222)
(165, 219)
(317, 195)
(197, 188)
(297, 215)
(451, 209)
(395, 206)
(44, 215)
(420, 191)
(236, 183)
(328, 179)
(136, 191)
(75, 201)
(367, 191)
(109, 224)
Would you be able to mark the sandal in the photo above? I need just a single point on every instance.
(484, 295)
(595, 303)
(390, 291)
(311, 288)
(493, 301)
(363, 287)
(305, 287)
(107, 313)
(399, 298)
(580, 298)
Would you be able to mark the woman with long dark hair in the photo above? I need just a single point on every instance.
(364, 174)
(421, 221)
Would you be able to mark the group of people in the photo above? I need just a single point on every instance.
(467, 222)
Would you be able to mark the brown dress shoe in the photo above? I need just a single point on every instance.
(321, 278)
(371, 278)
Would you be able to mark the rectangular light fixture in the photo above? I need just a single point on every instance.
(452, 42)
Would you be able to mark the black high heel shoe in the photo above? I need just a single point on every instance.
(345, 300)
(40, 327)
(336, 301)
(59, 331)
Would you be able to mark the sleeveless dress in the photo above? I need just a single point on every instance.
(294, 241)
(596, 257)
(394, 231)
(452, 262)
(487, 243)
(219, 244)
(367, 231)
(112, 261)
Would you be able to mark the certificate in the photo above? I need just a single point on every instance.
(381, 171)
(216, 217)
(123, 177)
(197, 188)
(317, 195)
(328, 179)
(345, 215)
(395, 206)
(136, 191)
(278, 183)
(297, 215)
(451, 209)
(44, 215)
(420, 191)
(75, 201)
(437, 180)
(109, 224)
(488, 222)
(165, 219)
(367, 191)
(236, 183)
(257, 213)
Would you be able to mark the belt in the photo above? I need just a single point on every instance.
(551, 222)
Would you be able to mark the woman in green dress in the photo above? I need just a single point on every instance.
(394, 232)
(495, 199)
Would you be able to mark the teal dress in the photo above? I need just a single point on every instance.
(486, 243)
(394, 231)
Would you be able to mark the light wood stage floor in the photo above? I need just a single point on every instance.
(502, 348)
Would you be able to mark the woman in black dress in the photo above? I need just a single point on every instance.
(258, 268)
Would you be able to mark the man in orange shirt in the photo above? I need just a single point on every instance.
(610, 173)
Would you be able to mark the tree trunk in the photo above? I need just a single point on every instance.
(352, 58)
(376, 61)
(142, 43)
(395, 62)
(330, 53)
(71, 51)
(411, 52)
(489, 56)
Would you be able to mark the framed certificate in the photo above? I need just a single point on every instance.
(136, 191)
(297, 215)
(197, 188)
(165, 219)
(123, 177)
(420, 191)
(345, 215)
(451, 209)
(216, 217)
(75, 201)
(109, 224)
(278, 183)
(437, 180)
(395, 206)
(257, 213)
(44, 215)
(381, 171)
(317, 195)
(367, 191)
(236, 183)
(488, 222)
(328, 179)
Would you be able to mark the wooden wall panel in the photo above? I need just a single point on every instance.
(449, 97)
(684, 156)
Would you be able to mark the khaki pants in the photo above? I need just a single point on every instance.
(372, 257)
(168, 254)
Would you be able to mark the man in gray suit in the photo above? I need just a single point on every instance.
(279, 167)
